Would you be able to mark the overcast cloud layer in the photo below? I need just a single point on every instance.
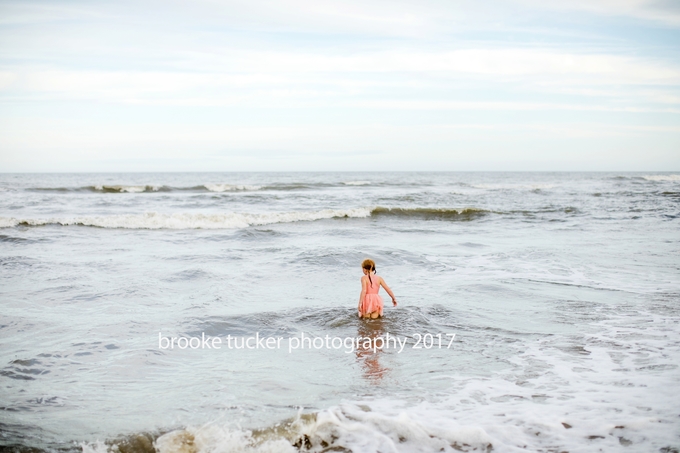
(351, 85)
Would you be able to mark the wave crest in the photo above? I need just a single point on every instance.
(128, 189)
(432, 213)
(349, 427)
(230, 187)
(357, 183)
(184, 221)
(658, 178)
(146, 188)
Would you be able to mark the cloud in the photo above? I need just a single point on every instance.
(7, 78)
(383, 79)
(665, 11)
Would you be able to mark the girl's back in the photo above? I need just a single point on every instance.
(373, 284)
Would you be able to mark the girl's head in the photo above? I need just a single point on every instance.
(368, 265)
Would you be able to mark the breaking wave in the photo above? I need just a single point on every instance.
(662, 177)
(121, 188)
(432, 213)
(229, 187)
(345, 428)
(207, 187)
(110, 188)
(182, 221)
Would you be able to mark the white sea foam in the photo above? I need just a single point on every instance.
(340, 428)
(357, 183)
(9, 222)
(95, 447)
(230, 187)
(600, 397)
(180, 221)
(129, 189)
(212, 438)
(662, 177)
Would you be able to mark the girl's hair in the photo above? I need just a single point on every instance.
(369, 265)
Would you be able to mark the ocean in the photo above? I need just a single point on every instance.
(216, 312)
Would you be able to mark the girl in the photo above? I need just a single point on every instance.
(370, 303)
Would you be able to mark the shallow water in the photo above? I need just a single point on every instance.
(562, 291)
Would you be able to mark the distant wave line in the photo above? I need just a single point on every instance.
(183, 221)
(141, 188)
(178, 221)
(208, 187)
(674, 178)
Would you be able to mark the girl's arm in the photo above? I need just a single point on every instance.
(364, 285)
(389, 291)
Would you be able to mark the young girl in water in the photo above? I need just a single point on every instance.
(370, 303)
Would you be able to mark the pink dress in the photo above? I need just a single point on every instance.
(372, 301)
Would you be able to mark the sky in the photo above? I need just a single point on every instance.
(370, 85)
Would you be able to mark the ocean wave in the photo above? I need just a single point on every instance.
(296, 186)
(15, 240)
(184, 221)
(107, 188)
(349, 427)
(207, 187)
(128, 189)
(230, 187)
(120, 188)
(432, 213)
(658, 178)
(513, 186)
(217, 187)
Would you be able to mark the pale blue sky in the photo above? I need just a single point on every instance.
(339, 85)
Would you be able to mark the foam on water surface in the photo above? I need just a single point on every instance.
(662, 177)
(180, 221)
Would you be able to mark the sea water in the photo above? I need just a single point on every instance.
(537, 312)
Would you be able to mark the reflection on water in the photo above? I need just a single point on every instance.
(368, 354)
